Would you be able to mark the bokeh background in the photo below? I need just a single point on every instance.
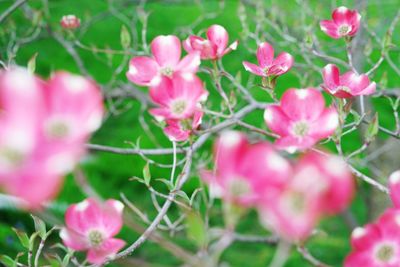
(290, 26)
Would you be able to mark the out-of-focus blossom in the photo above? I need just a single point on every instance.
(166, 50)
(44, 128)
(321, 185)
(70, 22)
(301, 119)
(394, 187)
(376, 244)
(177, 98)
(180, 130)
(347, 85)
(214, 47)
(91, 226)
(345, 22)
(244, 172)
(267, 65)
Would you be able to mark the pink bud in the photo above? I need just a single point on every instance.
(70, 22)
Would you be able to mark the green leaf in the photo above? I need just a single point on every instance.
(32, 63)
(167, 182)
(125, 37)
(373, 129)
(196, 229)
(23, 238)
(146, 174)
(40, 227)
(32, 240)
(7, 261)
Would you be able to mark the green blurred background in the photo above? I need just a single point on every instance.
(109, 173)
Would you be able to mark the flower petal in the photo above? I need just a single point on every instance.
(342, 15)
(277, 120)
(83, 216)
(330, 28)
(218, 36)
(253, 68)
(107, 251)
(189, 63)
(142, 70)
(282, 63)
(73, 240)
(325, 125)
(166, 50)
(330, 74)
(265, 54)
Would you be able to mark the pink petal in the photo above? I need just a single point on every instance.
(166, 50)
(187, 45)
(342, 15)
(364, 238)
(394, 186)
(175, 132)
(107, 251)
(293, 144)
(232, 46)
(355, 23)
(197, 119)
(359, 258)
(162, 93)
(303, 104)
(369, 90)
(73, 240)
(330, 28)
(265, 54)
(189, 63)
(112, 217)
(142, 70)
(218, 36)
(330, 74)
(281, 64)
(277, 120)
(205, 47)
(325, 125)
(84, 216)
(253, 69)
(161, 114)
(356, 83)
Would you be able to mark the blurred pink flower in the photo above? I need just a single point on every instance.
(394, 188)
(214, 47)
(347, 85)
(268, 66)
(301, 119)
(345, 22)
(321, 185)
(376, 244)
(70, 22)
(245, 172)
(45, 126)
(91, 226)
(178, 98)
(180, 130)
(166, 50)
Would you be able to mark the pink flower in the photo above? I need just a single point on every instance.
(301, 119)
(377, 244)
(178, 98)
(180, 130)
(166, 50)
(245, 172)
(91, 226)
(70, 22)
(347, 85)
(214, 47)
(321, 185)
(394, 187)
(268, 66)
(345, 22)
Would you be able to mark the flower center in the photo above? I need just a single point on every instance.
(385, 253)
(343, 88)
(238, 187)
(96, 238)
(295, 202)
(178, 107)
(167, 71)
(344, 30)
(57, 129)
(300, 129)
(10, 157)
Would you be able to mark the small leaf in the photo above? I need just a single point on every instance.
(40, 227)
(146, 174)
(32, 240)
(32, 63)
(23, 238)
(196, 229)
(373, 129)
(7, 261)
(167, 182)
(183, 195)
(125, 37)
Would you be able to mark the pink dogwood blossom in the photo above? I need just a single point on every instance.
(214, 47)
(91, 226)
(70, 22)
(245, 172)
(345, 22)
(301, 119)
(376, 244)
(347, 85)
(267, 65)
(180, 130)
(166, 50)
(321, 185)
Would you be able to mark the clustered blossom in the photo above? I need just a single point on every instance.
(70, 22)
(174, 86)
(290, 198)
(301, 119)
(347, 85)
(344, 23)
(268, 66)
(91, 226)
(44, 128)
